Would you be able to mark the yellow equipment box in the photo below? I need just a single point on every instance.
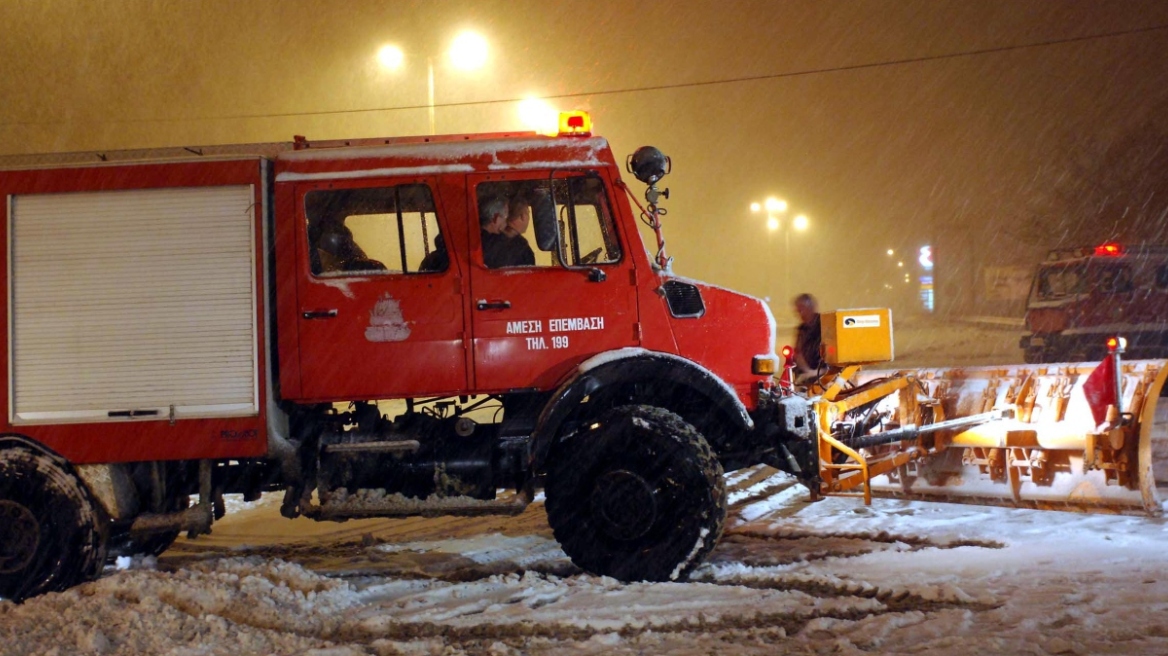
(856, 336)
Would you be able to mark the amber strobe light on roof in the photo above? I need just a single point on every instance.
(575, 124)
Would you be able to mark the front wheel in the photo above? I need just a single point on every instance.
(638, 495)
(53, 533)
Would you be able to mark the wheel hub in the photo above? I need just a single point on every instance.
(624, 503)
(19, 541)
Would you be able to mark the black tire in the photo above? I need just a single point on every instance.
(54, 533)
(638, 496)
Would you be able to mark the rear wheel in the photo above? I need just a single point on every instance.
(638, 495)
(54, 533)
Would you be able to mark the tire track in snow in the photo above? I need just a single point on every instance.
(754, 548)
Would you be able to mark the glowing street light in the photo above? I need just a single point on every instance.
(539, 116)
(390, 57)
(774, 206)
(467, 52)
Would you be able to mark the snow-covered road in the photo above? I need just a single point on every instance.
(789, 575)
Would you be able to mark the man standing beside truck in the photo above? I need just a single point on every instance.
(808, 337)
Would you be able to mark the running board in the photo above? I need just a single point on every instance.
(339, 505)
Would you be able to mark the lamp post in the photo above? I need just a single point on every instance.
(467, 52)
(774, 207)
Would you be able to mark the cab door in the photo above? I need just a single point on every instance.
(532, 324)
(380, 310)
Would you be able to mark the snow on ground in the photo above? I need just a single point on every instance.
(789, 576)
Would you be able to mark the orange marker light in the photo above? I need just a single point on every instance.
(1112, 342)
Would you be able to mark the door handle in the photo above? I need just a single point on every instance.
(484, 304)
(319, 314)
(133, 413)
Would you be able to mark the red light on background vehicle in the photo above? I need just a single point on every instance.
(787, 351)
(1110, 249)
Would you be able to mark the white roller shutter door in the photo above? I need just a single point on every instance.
(132, 303)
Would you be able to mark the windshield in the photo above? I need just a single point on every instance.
(1057, 282)
(1060, 281)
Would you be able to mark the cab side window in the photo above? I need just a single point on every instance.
(585, 222)
(570, 219)
(374, 231)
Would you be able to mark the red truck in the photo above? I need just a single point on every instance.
(1080, 297)
(444, 325)
(321, 319)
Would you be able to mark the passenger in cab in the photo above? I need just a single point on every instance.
(493, 215)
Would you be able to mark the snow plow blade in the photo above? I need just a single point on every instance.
(1022, 435)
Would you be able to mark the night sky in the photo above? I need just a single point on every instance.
(888, 124)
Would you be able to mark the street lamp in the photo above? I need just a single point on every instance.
(467, 52)
(800, 223)
(390, 57)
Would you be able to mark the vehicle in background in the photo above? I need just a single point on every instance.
(1080, 297)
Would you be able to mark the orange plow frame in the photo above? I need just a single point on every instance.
(1017, 435)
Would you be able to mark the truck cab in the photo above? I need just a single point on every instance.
(415, 306)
